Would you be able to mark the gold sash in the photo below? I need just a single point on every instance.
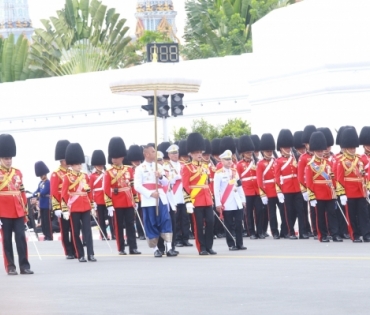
(195, 191)
(7, 179)
(76, 182)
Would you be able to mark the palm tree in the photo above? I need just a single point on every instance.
(84, 37)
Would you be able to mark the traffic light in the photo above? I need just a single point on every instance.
(162, 106)
(177, 106)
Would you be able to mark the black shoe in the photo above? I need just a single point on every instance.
(285, 236)
(113, 238)
(176, 251)
(338, 239)
(310, 234)
(329, 237)
(26, 272)
(325, 239)
(254, 237)
(172, 253)
(366, 239)
(122, 252)
(211, 251)
(233, 248)
(276, 237)
(70, 257)
(346, 236)
(179, 244)
(12, 272)
(266, 234)
(107, 238)
(242, 247)
(203, 253)
(82, 259)
(245, 234)
(142, 238)
(261, 236)
(91, 258)
(304, 237)
(219, 235)
(186, 243)
(357, 240)
(293, 237)
(134, 252)
(157, 253)
(315, 237)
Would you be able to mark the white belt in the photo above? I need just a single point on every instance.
(286, 177)
(269, 181)
(245, 179)
(98, 189)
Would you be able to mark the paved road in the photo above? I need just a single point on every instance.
(271, 277)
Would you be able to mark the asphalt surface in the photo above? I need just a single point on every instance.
(271, 277)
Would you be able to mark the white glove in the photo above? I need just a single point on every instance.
(93, 212)
(305, 196)
(110, 211)
(343, 200)
(58, 213)
(66, 215)
(281, 197)
(264, 200)
(95, 206)
(136, 206)
(1, 223)
(189, 207)
(313, 203)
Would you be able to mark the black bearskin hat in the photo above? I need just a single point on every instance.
(245, 144)
(135, 153)
(208, 149)
(183, 148)
(41, 169)
(163, 148)
(215, 144)
(365, 136)
(285, 139)
(318, 141)
(297, 140)
(117, 148)
(340, 133)
(60, 150)
(98, 158)
(227, 143)
(307, 132)
(74, 154)
(256, 141)
(267, 142)
(349, 138)
(328, 136)
(195, 142)
(109, 160)
(7, 146)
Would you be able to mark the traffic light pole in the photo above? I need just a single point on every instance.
(165, 129)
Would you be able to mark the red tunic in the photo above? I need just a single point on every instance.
(56, 182)
(286, 179)
(13, 200)
(248, 178)
(97, 189)
(266, 182)
(351, 177)
(320, 180)
(76, 192)
(302, 163)
(195, 184)
(119, 190)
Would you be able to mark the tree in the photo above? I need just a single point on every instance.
(180, 134)
(235, 127)
(84, 37)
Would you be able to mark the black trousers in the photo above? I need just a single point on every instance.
(217, 225)
(9, 226)
(233, 221)
(265, 218)
(254, 214)
(307, 213)
(80, 221)
(66, 235)
(182, 223)
(326, 217)
(125, 217)
(273, 202)
(46, 223)
(342, 224)
(203, 227)
(358, 217)
(101, 211)
(139, 227)
(293, 209)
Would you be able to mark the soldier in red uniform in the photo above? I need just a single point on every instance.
(351, 187)
(287, 184)
(266, 184)
(13, 209)
(215, 146)
(97, 191)
(246, 169)
(197, 195)
(120, 196)
(365, 157)
(56, 182)
(77, 202)
(321, 189)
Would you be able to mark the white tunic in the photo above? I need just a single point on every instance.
(173, 169)
(145, 174)
(221, 181)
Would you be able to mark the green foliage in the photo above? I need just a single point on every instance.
(234, 127)
(150, 37)
(84, 37)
